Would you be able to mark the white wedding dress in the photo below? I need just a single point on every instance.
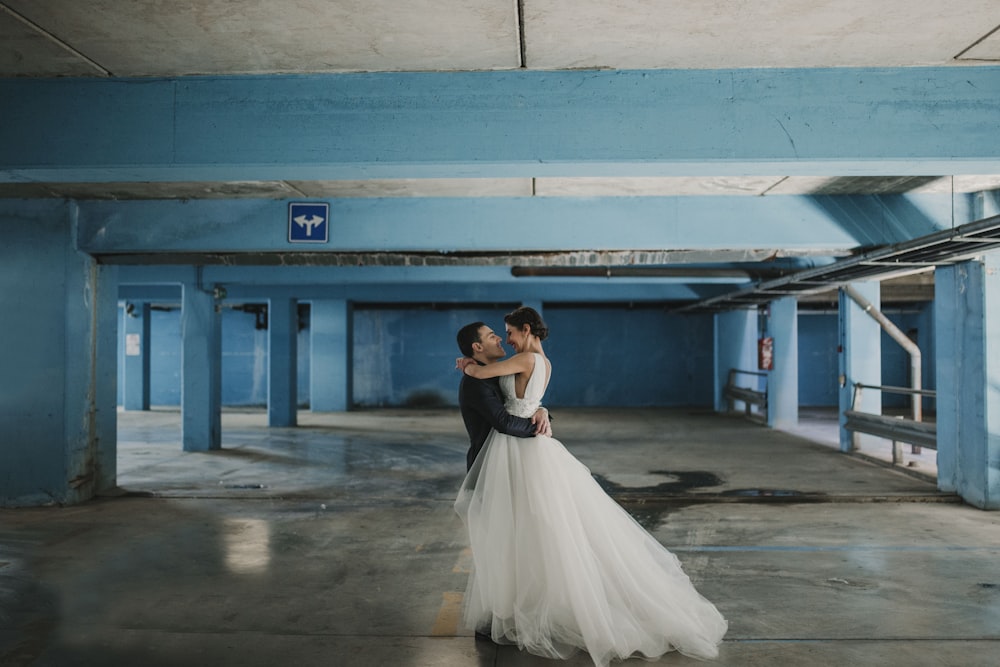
(560, 566)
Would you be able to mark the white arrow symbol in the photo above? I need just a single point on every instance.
(308, 222)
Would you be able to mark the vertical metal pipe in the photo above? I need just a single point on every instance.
(901, 338)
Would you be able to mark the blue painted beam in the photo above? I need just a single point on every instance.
(406, 275)
(586, 291)
(153, 293)
(518, 224)
(892, 121)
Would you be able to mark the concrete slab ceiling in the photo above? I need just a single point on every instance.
(755, 186)
(152, 38)
(149, 38)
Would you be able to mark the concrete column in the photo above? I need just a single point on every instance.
(58, 350)
(783, 380)
(967, 328)
(860, 340)
(136, 380)
(735, 334)
(282, 361)
(987, 204)
(330, 354)
(201, 370)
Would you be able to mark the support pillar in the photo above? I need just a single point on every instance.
(201, 370)
(860, 342)
(58, 356)
(967, 329)
(735, 334)
(136, 376)
(282, 361)
(783, 380)
(331, 344)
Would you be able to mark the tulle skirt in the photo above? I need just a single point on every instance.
(559, 566)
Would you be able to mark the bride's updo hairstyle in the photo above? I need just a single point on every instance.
(525, 315)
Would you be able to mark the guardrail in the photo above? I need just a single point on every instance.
(747, 395)
(896, 429)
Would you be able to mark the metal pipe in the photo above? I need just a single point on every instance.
(901, 338)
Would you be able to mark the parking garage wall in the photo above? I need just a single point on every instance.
(602, 355)
(818, 368)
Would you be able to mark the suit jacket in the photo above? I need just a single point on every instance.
(481, 402)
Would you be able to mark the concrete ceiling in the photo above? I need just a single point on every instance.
(151, 38)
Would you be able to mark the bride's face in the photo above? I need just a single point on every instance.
(517, 338)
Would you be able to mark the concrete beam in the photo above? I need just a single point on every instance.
(518, 224)
(863, 121)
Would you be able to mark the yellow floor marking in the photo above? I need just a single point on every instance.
(464, 563)
(446, 624)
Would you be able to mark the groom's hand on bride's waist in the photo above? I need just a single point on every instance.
(541, 421)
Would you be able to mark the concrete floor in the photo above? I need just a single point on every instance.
(335, 544)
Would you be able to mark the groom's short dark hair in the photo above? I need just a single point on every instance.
(468, 335)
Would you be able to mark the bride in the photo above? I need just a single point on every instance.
(558, 565)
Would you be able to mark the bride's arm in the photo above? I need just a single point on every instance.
(519, 363)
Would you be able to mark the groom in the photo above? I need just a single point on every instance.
(481, 401)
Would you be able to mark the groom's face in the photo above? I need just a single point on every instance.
(492, 344)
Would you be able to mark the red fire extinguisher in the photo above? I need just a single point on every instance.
(765, 353)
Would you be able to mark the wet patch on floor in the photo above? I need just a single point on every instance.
(774, 495)
(676, 482)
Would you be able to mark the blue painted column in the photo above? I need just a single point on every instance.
(58, 350)
(282, 361)
(860, 340)
(105, 378)
(783, 380)
(735, 334)
(137, 323)
(967, 327)
(201, 369)
(330, 354)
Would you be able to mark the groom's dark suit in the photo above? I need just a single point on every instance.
(482, 407)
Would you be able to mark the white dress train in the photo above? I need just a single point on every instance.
(560, 566)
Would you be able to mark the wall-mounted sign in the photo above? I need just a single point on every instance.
(133, 345)
(308, 223)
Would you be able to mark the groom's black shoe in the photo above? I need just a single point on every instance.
(484, 637)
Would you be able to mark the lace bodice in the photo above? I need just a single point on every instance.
(525, 407)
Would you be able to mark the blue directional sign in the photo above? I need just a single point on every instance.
(308, 223)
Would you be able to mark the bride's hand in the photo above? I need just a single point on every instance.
(462, 362)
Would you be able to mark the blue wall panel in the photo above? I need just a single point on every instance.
(918, 323)
(406, 356)
(818, 368)
(244, 360)
(603, 356)
(623, 357)
(165, 362)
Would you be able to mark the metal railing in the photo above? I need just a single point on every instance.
(747, 395)
(896, 429)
